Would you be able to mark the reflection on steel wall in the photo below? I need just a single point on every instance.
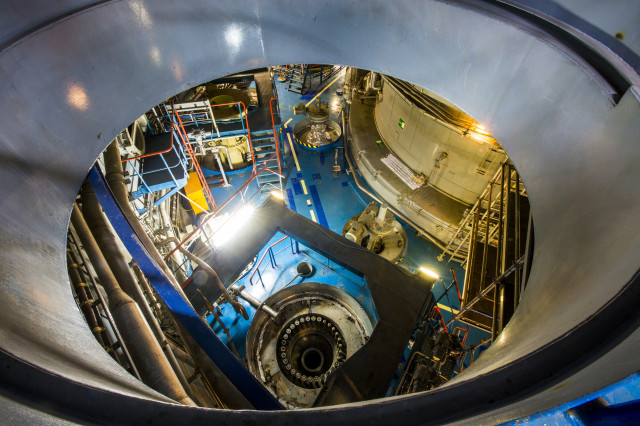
(457, 165)
(72, 81)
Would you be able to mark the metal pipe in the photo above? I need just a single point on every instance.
(145, 351)
(382, 212)
(216, 155)
(108, 242)
(166, 219)
(485, 250)
(376, 198)
(115, 179)
(226, 150)
(236, 305)
(146, 288)
(181, 355)
(213, 119)
(256, 303)
(372, 80)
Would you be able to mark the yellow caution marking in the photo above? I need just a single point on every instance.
(293, 151)
(287, 122)
(322, 91)
(308, 202)
(304, 187)
(448, 309)
(313, 216)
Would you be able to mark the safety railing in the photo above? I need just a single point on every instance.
(171, 157)
(197, 232)
(295, 248)
(194, 161)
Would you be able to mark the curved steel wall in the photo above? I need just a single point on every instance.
(72, 82)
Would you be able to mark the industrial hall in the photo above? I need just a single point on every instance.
(320, 212)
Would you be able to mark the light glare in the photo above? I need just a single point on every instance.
(232, 226)
(429, 272)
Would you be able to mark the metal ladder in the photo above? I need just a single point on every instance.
(298, 79)
(497, 248)
(93, 306)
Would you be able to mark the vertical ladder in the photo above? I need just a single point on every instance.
(93, 306)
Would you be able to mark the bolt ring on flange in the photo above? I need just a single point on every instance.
(310, 348)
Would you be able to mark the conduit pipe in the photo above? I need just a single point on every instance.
(237, 306)
(108, 243)
(146, 353)
(166, 220)
(115, 179)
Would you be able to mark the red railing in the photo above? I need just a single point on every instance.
(437, 309)
(464, 339)
(204, 221)
(159, 152)
(185, 140)
(455, 281)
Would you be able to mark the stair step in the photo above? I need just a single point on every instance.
(267, 177)
(262, 134)
(262, 143)
(271, 164)
(265, 151)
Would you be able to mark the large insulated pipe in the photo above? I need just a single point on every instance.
(115, 179)
(219, 383)
(147, 355)
(108, 243)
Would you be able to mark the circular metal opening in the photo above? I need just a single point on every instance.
(304, 269)
(312, 360)
(310, 348)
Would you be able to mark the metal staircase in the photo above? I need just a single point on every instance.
(496, 242)
(298, 79)
(302, 76)
(266, 149)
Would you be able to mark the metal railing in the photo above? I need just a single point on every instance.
(295, 248)
(175, 150)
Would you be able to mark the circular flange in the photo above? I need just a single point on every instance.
(314, 348)
(311, 347)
